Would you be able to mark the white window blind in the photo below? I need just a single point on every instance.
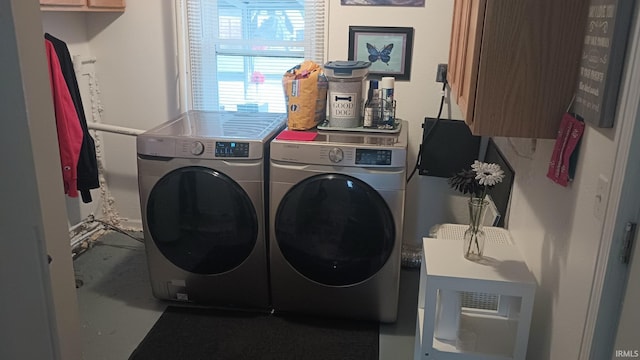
(238, 50)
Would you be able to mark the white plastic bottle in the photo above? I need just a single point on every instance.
(387, 85)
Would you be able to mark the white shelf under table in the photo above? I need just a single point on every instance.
(501, 335)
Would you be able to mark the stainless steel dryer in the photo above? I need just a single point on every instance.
(336, 216)
(202, 182)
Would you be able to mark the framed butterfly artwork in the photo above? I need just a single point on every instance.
(387, 48)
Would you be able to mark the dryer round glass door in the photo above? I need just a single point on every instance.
(201, 220)
(334, 229)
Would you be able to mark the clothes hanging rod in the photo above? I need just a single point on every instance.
(114, 129)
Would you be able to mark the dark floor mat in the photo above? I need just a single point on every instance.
(184, 333)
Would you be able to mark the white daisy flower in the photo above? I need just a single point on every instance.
(478, 166)
(487, 174)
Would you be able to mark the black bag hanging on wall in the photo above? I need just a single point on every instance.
(447, 147)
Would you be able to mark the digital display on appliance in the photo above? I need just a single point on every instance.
(373, 157)
(232, 149)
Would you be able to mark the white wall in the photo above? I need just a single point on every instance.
(417, 98)
(69, 27)
(554, 226)
(137, 69)
(559, 236)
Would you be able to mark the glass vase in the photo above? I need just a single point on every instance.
(474, 236)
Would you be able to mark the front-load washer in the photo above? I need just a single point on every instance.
(202, 183)
(336, 216)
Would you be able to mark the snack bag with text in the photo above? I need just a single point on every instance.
(305, 90)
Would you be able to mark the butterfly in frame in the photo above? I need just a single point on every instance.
(383, 55)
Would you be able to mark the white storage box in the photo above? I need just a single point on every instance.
(484, 307)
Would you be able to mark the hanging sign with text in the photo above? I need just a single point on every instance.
(603, 54)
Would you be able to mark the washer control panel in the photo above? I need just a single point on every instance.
(232, 149)
(199, 148)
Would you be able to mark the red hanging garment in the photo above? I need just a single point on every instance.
(67, 123)
(87, 161)
(569, 135)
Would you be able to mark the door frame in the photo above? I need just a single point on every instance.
(41, 318)
(610, 278)
(627, 332)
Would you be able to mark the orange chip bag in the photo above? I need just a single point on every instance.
(305, 91)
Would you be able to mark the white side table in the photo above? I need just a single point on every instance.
(498, 333)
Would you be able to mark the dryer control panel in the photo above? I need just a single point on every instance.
(365, 157)
(319, 154)
(373, 157)
(340, 148)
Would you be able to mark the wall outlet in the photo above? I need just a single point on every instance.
(441, 73)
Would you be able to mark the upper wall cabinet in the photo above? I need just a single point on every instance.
(513, 64)
(82, 5)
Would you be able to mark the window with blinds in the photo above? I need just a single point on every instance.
(238, 50)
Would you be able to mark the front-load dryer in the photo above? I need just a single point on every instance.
(336, 216)
(202, 183)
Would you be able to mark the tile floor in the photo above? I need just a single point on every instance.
(117, 308)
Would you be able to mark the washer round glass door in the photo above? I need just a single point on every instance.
(334, 229)
(201, 220)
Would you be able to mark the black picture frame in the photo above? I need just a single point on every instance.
(387, 48)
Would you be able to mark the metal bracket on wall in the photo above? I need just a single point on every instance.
(627, 242)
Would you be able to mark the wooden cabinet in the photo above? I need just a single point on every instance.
(513, 64)
(82, 5)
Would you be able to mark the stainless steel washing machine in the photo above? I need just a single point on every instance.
(336, 216)
(202, 183)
